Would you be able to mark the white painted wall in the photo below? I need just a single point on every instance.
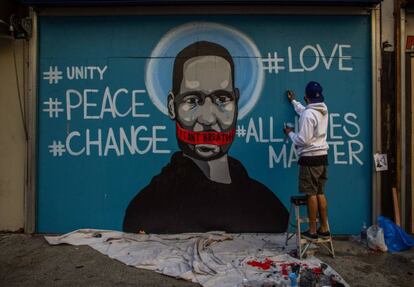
(12, 138)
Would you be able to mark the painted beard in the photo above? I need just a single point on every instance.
(204, 145)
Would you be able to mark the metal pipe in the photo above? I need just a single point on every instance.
(376, 107)
(204, 10)
(31, 104)
(403, 121)
(397, 45)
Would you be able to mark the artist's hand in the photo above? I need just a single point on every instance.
(290, 95)
(287, 130)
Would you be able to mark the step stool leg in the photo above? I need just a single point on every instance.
(289, 223)
(306, 246)
(298, 232)
(332, 248)
(330, 240)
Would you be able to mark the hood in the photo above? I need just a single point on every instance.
(320, 107)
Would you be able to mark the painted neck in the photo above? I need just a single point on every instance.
(216, 170)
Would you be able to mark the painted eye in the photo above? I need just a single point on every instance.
(222, 99)
(192, 100)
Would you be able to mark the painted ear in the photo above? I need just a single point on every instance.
(171, 110)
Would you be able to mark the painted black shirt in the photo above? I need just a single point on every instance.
(182, 199)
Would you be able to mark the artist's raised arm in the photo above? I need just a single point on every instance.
(299, 108)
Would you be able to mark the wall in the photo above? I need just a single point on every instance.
(94, 70)
(12, 139)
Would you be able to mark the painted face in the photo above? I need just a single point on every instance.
(206, 102)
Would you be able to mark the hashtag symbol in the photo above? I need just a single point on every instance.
(240, 131)
(53, 107)
(57, 148)
(53, 75)
(273, 64)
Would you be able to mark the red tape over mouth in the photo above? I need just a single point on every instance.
(210, 137)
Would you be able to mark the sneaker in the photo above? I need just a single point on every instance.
(325, 234)
(309, 236)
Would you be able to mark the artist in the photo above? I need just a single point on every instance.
(202, 188)
(312, 149)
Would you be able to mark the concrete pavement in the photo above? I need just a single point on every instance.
(27, 260)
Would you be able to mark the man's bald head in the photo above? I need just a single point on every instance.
(206, 54)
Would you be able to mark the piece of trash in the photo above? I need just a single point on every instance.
(364, 229)
(141, 232)
(79, 266)
(293, 279)
(395, 238)
(97, 235)
(375, 238)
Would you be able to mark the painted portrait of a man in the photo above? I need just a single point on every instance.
(202, 188)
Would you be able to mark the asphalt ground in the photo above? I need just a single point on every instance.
(28, 260)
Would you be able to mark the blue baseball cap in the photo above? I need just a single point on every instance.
(313, 92)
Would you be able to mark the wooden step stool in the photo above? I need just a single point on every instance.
(302, 243)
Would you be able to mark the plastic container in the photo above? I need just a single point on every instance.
(364, 233)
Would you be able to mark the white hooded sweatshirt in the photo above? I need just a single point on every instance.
(310, 140)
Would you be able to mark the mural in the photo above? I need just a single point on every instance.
(202, 188)
(175, 124)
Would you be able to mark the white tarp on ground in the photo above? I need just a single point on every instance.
(210, 259)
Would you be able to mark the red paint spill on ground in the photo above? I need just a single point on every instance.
(265, 265)
(284, 266)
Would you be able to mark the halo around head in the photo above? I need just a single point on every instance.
(249, 76)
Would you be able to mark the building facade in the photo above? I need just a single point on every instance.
(101, 132)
